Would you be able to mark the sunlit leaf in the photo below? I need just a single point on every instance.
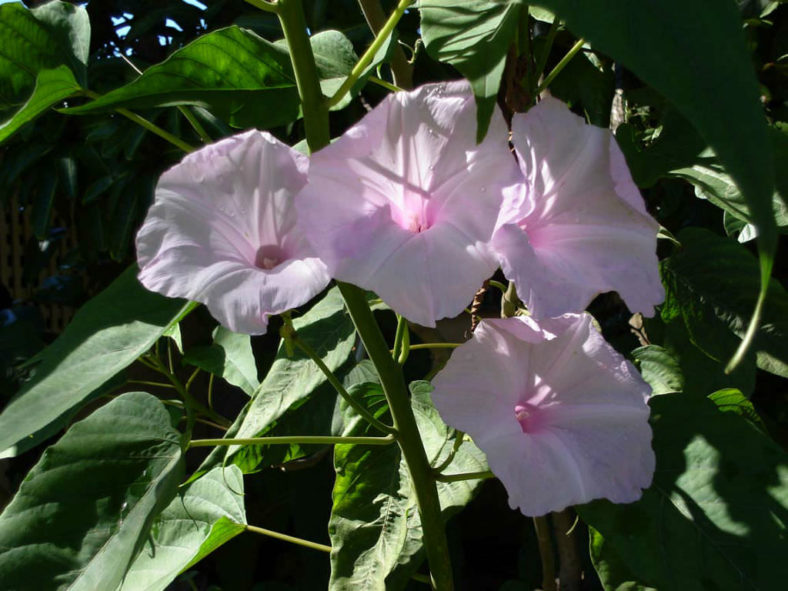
(84, 510)
(107, 334)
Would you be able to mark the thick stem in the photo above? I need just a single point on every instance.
(542, 528)
(570, 567)
(409, 439)
(391, 378)
(401, 69)
(313, 103)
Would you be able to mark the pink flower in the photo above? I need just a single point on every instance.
(561, 416)
(578, 227)
(405, 202)
(222, 232)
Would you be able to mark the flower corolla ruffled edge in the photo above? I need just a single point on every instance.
(405, 202)
(222, 231)
(578, 226)
(561, 416)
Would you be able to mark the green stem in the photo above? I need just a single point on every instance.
(402, 327)
(459, 437)
(766, 263)
(435, 346)
(286, 538)
(384, 84)
(545, 53)
(191, 403)
(370, 53)
(409, 440)
(390, 374)
(152, 127)
(561, 65)
(332, 379)
(291, 15)
(464, 476)
(195, 123)
(313, 545)
(301, 439)
(401, 69)
(502, 287)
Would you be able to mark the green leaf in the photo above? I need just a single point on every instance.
(660, 368)
(473, 36)
(732, 400)
(612, 571)
(52, 86)
(244, 79)
(107, 334)
(693, 53)
(714, 516)
(712, 283)
(208, 513)
(713, 184)
(328, 329)
(375, 527)
(229, 357)
(334, 58)
(54, 34)
(84, 510)
(699, 372)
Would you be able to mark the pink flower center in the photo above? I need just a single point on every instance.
(269, 256)
(528, 417)
(413, 215)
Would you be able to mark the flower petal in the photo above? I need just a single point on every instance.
(561, 416)
(405, 202)
(579, 228)
(214, 215)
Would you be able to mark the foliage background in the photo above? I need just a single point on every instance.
(83, 183)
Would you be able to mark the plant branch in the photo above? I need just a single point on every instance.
(392, 380)
(301, 439)
(401, 69)
(464, 476)
(313, 103)
(561, 65)
(332, 379)
(370, 53)
(410, 443)
(285, 537)
(542, 528)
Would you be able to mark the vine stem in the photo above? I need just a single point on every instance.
(401, 69)
(366, 59)
(332, 379)
(291, 16)
(315, 114)
(410, 443)
(561, 65)
(302, 439)
(149, 125)
(464, 476)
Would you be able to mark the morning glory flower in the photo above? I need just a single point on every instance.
(561, 416)
(222, 231)
(405, 202)
(578, 226)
